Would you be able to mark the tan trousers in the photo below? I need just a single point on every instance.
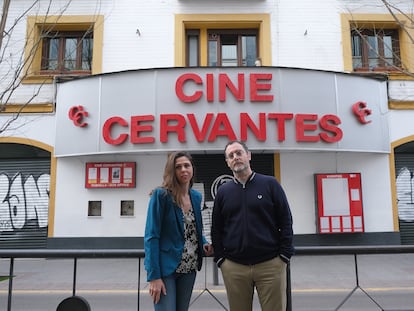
(269, 279)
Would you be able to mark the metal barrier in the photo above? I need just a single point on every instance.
(65, 254)
(355, 251)
(12, 254)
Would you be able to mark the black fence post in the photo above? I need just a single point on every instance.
(288, 289)
(11, 272)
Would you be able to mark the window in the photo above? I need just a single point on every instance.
(222, 40)
(193, 52)
(224, 48)
(62, 45)
(374, 49)
(94, 208)
(231, 48)
(127, 208)
(67, 52)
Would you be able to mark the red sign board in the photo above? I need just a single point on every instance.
(110, 175)
(339, 203)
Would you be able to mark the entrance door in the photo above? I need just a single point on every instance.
(404, 168)
(212, 171)
(24, 196)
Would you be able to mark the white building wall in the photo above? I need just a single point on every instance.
(401, 90)
(71, 207)
(37, 127)
(401, 124)
(297, 177)
(140, 34)
(309, 38)
(373, 6)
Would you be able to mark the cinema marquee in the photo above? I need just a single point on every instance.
(202, 108)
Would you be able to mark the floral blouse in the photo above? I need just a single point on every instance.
(190, 256)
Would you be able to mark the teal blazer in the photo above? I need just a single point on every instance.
(164, 233)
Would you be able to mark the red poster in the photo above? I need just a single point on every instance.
(110, 175)
(339, 203)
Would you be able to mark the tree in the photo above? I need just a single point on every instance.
(376, 47)
(15, 57)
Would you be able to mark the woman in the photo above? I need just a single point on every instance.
(174, 244)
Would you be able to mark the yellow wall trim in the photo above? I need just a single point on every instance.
(402, 141)
(27, 141)
(405, 105)
(393, 183)
(29, 108)
(400, 76)
(276, 161)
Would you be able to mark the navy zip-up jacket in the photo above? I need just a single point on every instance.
(252, 223)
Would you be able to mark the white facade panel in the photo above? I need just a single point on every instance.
(311, 38)
(373, 6)
(35, 127)
(151, 95)
(132, 40)
(401, 124)
(401, 90)
(71, 215)
(297, 175)
(141, 35)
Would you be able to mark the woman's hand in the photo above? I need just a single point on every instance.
(156, 287)
(208, 249)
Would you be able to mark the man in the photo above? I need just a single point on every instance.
(251, 234)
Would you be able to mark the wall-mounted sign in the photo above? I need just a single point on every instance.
(203, 108)
(339, 203)
(110, 175)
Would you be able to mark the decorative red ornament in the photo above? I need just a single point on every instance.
(361, 112)
(77, 115)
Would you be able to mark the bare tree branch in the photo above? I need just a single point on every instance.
(6, 5)
(402, 25)
(16, 67)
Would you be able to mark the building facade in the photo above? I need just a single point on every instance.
(96, 93)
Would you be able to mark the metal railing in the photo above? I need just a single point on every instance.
(76, 254)
(69, 253)
(349, 250)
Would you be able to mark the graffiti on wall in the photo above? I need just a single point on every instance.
(24, 201)
(405, 195)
